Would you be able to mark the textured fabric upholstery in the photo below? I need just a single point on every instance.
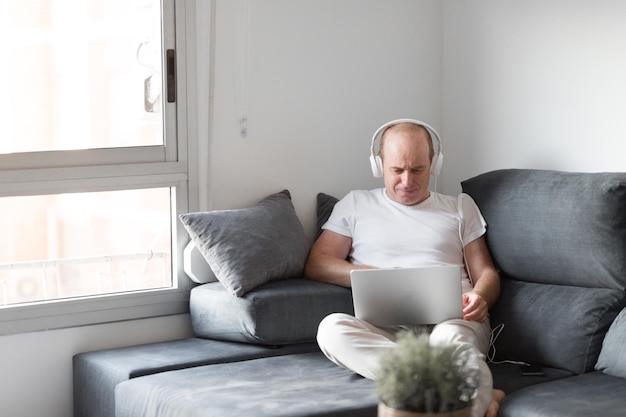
(248, 247)
(612, 358)
(279, 312)
(559, 241)
(506, 376)
(553, 325)
(97, 373)
(590, 394)
(325, 205)
(289, 386)
(555, 227)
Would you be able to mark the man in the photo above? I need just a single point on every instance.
(402, 225)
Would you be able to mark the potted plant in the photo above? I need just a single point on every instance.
(419, 379)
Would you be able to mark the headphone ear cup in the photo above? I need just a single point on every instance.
(377, 165)
(435, 167)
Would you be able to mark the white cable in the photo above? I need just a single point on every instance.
(491, 354)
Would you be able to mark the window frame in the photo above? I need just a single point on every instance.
(119, 169)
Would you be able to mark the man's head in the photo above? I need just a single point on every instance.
(406, 150)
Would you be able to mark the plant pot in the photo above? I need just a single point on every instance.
(385, 411)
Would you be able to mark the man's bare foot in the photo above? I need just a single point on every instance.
(494, 405)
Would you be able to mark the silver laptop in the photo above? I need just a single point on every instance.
(407, 296)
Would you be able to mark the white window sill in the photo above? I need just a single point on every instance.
(93, 310)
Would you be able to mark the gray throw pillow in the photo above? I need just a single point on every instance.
(325, 205)
(251, 246)
(612, 358)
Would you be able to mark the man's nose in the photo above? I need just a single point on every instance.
(406, 178)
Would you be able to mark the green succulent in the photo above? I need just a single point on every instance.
(415, 376)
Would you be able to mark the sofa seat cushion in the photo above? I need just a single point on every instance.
(591, 394)
(276, 313)
(292, 385)
(506, 376)
(555, 227)
(556, 326)
(97, 373)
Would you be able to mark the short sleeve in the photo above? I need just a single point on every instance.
(473, 224)
(341, 219)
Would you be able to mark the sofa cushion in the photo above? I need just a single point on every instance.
(553, 325)
(276, 313)
(612, 358)
(289, 386)
(507, 377)
(555, 227)
(325, 205)
(590, 394)
(249, 247)
(95, 374)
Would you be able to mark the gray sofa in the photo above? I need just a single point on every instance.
(559, 240)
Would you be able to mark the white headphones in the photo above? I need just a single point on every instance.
(377, 162)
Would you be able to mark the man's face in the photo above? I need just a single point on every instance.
(406, 166)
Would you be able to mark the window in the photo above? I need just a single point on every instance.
(93, 161)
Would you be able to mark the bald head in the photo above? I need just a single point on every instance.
(411, 129)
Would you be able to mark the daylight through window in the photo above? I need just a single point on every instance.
(91, 168)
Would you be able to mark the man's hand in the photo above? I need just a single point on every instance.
(475, 307)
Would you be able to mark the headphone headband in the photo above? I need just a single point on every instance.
(376, 161)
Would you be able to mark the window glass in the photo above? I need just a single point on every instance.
(81, 74)
(82, 244)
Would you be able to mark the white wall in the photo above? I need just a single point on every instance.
(533, 84)
(315, 79)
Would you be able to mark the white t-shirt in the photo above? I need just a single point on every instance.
(387, 234)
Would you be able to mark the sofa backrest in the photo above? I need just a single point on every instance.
(559, 240)
(555, 227)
